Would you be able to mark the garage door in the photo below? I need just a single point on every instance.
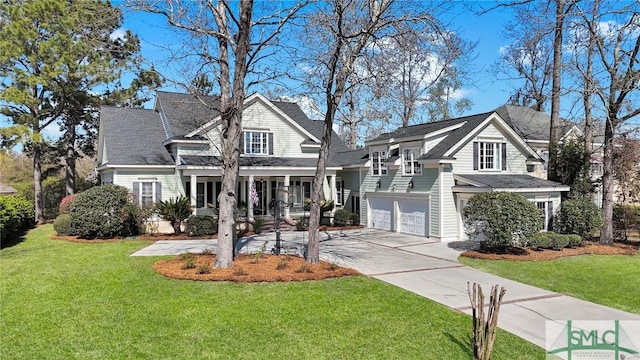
(381, 214)
(413, 216)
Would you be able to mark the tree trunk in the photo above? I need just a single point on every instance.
(606, 235)
(70, 161)
(231, 116)
(37, 179)
(552, 171)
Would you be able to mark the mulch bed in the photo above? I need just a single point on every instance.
(525, 254)
(252, 268)
(154, 237)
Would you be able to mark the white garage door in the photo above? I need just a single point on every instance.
(381, 211)
(413, 216)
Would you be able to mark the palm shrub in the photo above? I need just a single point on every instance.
(504, 218)
(102, 212)
(175, 210)
(578, 216)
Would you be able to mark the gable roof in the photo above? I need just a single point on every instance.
(420, 129)
(183, 113)
(439, 151)
(132, 137)
(530, 124)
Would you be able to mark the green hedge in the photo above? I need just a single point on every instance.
(16, 214)
(504, 218)
(62, 224)
(105, 212)
(578, 216)
(200, 225)
(551, 240)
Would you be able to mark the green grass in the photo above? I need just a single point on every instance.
(611, 280)
(62, 300)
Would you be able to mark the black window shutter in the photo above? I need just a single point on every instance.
(158, 192)
(136, 191)
(218, 190)
(342, 192)
(550, 214)
(475, 155)
(187, 189)
(209, 193)
(242, 142)
(270, 143)
(504, 156)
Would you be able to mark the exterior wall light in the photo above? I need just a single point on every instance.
(378, 185)
(411, 184)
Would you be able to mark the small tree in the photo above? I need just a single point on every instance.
(504, 218)
(175, 210)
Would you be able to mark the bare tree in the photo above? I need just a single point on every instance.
(232, 41)
(343, 31)
(616, 33)
(528, 56)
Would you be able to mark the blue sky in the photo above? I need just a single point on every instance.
(485, 91)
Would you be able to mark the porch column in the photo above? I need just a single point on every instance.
(286, 196)
(193, 194)
(249, 199)
(267, 205)
(334, 195)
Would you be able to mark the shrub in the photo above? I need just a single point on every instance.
(305, 268)
(66, 202)
(301, 224)
(62, 224)
(200, 225)
(578, 216)
(102, 212)
(203, 269)
(505, 219)
(175, 210)
(342, 217)
(551, 240)
(282, 264)
(625, 218)
(258, 225)
(16, 214)
(355, 219)
(189, 261)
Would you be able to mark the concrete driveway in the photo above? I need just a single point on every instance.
(427, 268)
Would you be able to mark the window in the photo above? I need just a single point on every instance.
(546, 209)
(146, 193)
(378, 166)
(257, 142)
(595, 169)
(339, 192)
(200, 194)
(410, 164)
(489, 156)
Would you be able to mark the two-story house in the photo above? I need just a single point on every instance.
(418, 178)
(413, 180)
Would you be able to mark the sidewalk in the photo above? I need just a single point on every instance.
(429, 269)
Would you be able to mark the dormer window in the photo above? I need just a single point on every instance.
(257, 143)
(410, 165)
(378, 166)
(489, 156)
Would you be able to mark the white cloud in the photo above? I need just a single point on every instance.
(118, 34)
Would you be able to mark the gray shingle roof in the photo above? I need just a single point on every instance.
(509, 181)
(438, 151)
(133, 137)
(350, 157)
(186, 112)
(421, 129)
(529, 123)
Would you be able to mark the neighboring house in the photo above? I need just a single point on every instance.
(7, 190)
(414, 180)
(172, 150)
(420, 177)
(533, 127)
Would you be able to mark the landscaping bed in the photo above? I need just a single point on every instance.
(526, 254)
(251, 268)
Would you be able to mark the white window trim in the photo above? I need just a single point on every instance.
(545, 210)
(339, 191)
(497, 155)
(380, 166)
(247, 144)
(204, 194)
(414, 161)
(153, 191)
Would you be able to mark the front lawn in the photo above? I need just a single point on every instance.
(611, 280)
(62, 300)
